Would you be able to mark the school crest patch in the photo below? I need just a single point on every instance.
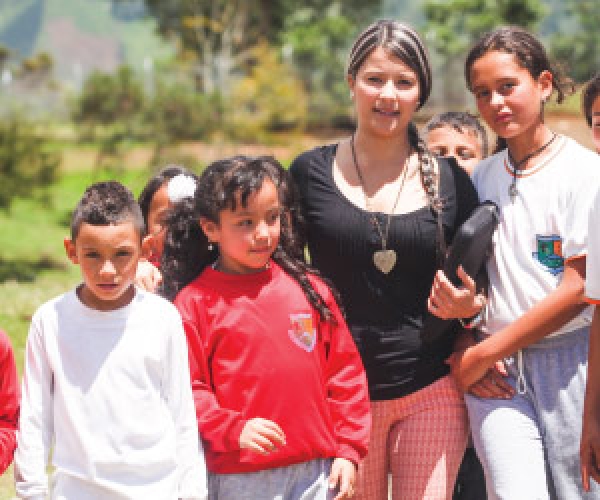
(302, 331)
(549, 253)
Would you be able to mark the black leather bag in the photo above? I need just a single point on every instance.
(470, 247)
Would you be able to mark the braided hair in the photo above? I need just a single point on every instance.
(224, 185)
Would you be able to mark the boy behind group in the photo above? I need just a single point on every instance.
(106, 378)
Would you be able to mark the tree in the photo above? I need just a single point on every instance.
(114, 101)
(317, 42)
(25, 164)
(579, 48)
(220, 34)
(452, 26)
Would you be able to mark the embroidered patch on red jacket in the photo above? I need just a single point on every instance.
(302, 332)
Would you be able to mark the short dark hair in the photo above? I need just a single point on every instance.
(106, 203)
(591, 91)
(462, 122)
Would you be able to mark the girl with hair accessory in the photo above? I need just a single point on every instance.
(280, 391)
(169, 186)
(535, 320)
(379, 210)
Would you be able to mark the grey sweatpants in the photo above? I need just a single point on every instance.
(529, 445)
(303, 481)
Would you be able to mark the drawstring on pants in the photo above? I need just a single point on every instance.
(521, 382)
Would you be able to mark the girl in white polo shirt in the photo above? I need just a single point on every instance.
(535, 320)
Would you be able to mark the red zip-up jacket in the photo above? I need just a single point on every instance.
(9, 402)
(257, 348)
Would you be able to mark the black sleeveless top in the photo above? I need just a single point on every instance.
(385, 312)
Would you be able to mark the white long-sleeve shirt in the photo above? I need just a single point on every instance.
(110, 391)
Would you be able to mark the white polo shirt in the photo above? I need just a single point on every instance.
(545, 225)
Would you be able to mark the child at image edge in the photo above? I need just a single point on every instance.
(9, 402)
(106, 378)
(591, 108)
(281, 394)
(590, 434)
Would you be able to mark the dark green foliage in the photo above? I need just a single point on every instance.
(179, 112)
(454, 25)
(579, 48)
(25, 164)
(106, 98)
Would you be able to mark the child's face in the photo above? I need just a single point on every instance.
(247, 237)
(159, 206)
(108, 257)
(464, 146)
(508, 97)
(596, 123)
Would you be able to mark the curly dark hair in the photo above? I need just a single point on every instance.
(589, 95)
(106, 203)
(223, 185)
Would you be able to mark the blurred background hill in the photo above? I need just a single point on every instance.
(81, 35)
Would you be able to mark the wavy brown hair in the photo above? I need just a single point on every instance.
(223, 185)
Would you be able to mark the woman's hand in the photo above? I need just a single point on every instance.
(493, 384)
(449, 302)
(468, 367)
(343, 473)
(261, 435)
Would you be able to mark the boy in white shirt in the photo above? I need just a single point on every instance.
(106, 381)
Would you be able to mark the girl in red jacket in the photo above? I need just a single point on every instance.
(280, 390)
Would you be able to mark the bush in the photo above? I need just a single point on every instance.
(106, 98)
(270, 99)
(178, 112)
(26, 165)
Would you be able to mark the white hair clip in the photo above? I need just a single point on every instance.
(181, 186)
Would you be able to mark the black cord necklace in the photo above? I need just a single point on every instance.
(516, 166)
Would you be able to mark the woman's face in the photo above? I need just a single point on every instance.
(385, 93)
(508, 97)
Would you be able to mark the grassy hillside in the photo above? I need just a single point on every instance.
(24, 28)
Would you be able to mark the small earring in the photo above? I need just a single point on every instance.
(210, 247)
(351, 94)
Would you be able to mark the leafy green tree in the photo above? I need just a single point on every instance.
(219, 34)
(579, 48)
(36, 71)
(318, 43)
(114, 102)
(107, 98)
(269, 99)
(26, 166)
(452, 26)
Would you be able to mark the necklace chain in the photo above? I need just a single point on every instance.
(516, 165)
(375, 222)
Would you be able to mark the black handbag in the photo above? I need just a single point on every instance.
(469, 249)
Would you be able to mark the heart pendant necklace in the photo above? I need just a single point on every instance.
(384, 259)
